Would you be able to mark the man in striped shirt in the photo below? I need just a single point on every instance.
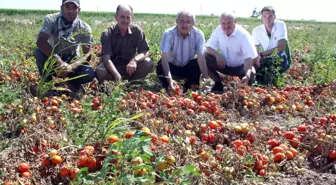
(180, 45)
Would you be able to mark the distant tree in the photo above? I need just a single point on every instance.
(255, 13)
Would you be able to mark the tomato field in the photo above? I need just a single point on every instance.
(137, 134)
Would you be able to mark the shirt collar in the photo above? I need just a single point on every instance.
(234, 33)
(273, 28)
(180, 33)
(117, 30)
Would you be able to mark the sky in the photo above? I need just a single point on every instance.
(321, 10)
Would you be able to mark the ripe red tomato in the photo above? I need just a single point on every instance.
(213, 124)
(289, 135)
(273, 143)
(23, 167)
(192, 140)
(26, 174)
(64, 171)
(129, 134)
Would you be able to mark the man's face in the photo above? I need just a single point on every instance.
(70, 11)
(124, 18)
(228, 25)
(268, 18)
(184, 24)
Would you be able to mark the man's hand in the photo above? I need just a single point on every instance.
(245, 80)
(172, 84)
(73, 66)
(62, 70)
(131, 67)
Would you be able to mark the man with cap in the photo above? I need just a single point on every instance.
(125, 51)
(60, 38)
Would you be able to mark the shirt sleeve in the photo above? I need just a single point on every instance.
(248, 48)
(213, 41)
(200, 43)
(47, 25)
(87, 37)
(142, 44)
(282, 32)
(106, 43)
(166, 43)
(255, 37)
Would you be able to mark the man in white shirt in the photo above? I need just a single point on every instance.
(180, 44)
(272, 37)
(236, 52)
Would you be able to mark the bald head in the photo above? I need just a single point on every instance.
(229, 14)
(124, 7)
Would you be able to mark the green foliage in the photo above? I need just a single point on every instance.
(95, 126)
(269, 73)
(119, 166)
(324, 71)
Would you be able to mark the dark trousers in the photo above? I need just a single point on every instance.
(190, 72)
(85, 69)
(231, 71)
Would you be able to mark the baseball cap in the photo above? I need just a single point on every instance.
(77, 3)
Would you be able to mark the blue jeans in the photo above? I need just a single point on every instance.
(85, 69)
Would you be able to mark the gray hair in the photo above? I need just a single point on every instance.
(187, 13)
(228, 14)
(124, 7)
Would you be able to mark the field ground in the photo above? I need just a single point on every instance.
(136, 134)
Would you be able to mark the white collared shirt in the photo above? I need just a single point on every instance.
(260, 37)
(235, 48)
(181, 49)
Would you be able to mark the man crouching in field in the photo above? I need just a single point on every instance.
(272, 37)
(180, 44)
(124, 50)
(61, 36)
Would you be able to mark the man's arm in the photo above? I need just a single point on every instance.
(202, 65)
(200, 54)
(142, 53)
(85, 41)
(248, 67)
(257, 60)
(219, 58)
(281, 47)
(249, 53)
(165, 66)
(109, 66)
(43, 45)
(87, 52)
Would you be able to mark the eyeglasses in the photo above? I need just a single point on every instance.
(184, 22)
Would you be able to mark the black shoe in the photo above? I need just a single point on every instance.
(217, 88)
